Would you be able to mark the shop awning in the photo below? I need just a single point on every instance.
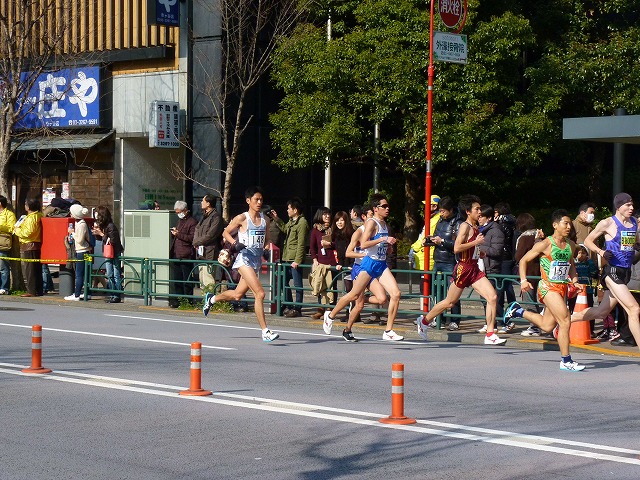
(613, 129)
(61, 142)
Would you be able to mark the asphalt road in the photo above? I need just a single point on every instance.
(304, 407)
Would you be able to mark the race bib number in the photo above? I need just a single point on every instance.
(256, 238)
(559, 271)
(476, 253)
(627, 240)
(381, 252)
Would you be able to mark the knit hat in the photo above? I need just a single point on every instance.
(78, 211)
(620, 199)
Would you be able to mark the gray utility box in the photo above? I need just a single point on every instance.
(146, 235)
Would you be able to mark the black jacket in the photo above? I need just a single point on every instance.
(493, 246)
(208, 233)
(447, 230)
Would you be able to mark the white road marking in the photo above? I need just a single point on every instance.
(485, 435)
(121, 337)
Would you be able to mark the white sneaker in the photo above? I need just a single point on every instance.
(269, 336)
(73, 298)
(494, 340)
(391, 335)
(483, 329)
(531, 332)
(81, 297)
(327, 322)
(571, 366)
(422, 327)
(3, 291)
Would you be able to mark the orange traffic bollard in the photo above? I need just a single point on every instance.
(580, 332)
(36, 352)
(397, 397)
(195, 388)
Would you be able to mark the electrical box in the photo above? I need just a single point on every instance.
(147, 235)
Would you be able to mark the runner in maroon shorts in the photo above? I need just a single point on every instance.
(466, 273)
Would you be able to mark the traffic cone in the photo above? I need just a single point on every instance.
(580, 332)
(397, 416)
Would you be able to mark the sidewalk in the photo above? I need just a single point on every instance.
(468, 333)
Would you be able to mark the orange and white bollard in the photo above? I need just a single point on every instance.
(580, 332)
(397, 397)
(195, 388)
(36, 352)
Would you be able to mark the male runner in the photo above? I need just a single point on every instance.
(374, 241)
(621, 240)
(557, 271)
(252, 229)
(466, 273)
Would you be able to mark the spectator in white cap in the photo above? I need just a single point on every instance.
(82, 246)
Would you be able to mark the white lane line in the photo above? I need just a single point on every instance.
(531, 442)
(120, 337)
(240, 327)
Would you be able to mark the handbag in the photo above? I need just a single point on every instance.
(107, 249)
(5, 242)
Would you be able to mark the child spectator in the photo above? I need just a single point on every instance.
(587, 271)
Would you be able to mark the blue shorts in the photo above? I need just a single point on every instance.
(375, 268)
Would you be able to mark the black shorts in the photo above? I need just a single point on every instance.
(619, 275)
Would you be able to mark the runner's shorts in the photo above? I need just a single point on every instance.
(466, 274)
(619, 275)
(374, 268)
(546, 286)
(246, 259)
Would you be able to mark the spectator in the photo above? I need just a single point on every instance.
(323, 258)
(442, 240)
(7, 222)
(207, 237)
(341, 232)
(587, 272)
(105, 230)
(526, 235)
(491, 250)
(418, 245)
(357, 218)
(82, 246)
(293, 250)
(582, 226)
(507, 223)
(275, 234)
(29, 232)
(182, 249)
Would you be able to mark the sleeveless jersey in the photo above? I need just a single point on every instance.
(622, 244)
(253, 238)
(554, 267)
(379, 251)
(470, 255)
(359, 249)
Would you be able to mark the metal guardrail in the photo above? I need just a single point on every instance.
(141, 279)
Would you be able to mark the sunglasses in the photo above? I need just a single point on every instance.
(384, 205)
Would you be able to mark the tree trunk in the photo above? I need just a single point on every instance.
(412, 222)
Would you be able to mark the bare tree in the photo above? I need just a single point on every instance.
(251, 30)
(32, 35)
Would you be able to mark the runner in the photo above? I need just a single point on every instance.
(557, 271)
(373, 266)
(621, 242)
(252, 229)
(466, 273)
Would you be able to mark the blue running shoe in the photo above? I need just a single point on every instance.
(208, 303)
(512, 312)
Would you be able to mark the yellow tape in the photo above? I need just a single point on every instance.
(45, 260)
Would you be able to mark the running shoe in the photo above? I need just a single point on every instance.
(531, 332)
(453, 326)
(269, 336)
(494, 340)
(603, 335)
(327, 323)
(207, 303)
(348, 336)
(511, 311)
(483, 329)
(507, 328)
(571, 366)
(613, 334)
(391, 335)
(422, 328)
(433, 323)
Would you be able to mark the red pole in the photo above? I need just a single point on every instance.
(427, 180)
(36, 352)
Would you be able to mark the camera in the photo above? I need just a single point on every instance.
(266, 210)
(428, 242)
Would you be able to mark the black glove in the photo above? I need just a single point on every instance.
(607, 255)
(237, 247)
(266, 254)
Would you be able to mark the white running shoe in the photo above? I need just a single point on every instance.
(422, 327)
(391, 335)
(269, 336)
(531, 332)
(327, 322)
(72, 297)
(483, 329)
(571, 366)
(494, 340)
(3, 291)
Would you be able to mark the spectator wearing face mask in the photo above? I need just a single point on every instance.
(182, 248)
(583, 224)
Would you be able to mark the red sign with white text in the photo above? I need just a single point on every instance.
(453, 13)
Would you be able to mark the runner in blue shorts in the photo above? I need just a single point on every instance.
(374, 241)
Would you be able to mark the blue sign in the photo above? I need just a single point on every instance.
(67, 98)
(168, 12)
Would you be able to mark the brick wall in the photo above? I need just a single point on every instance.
(92, 187)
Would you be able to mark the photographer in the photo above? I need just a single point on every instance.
(275, 233)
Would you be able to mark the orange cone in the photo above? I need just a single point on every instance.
(397, 397)
(580, 332)
(36, 352)
(195, 388)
